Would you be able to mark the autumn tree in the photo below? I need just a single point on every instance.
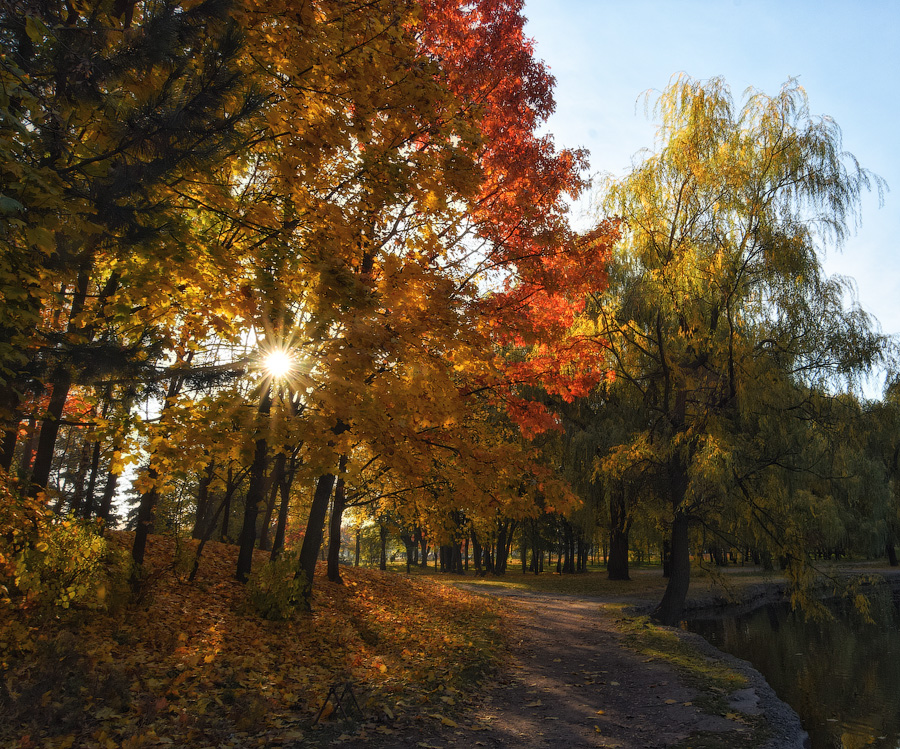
(106, 109)
(724, 327)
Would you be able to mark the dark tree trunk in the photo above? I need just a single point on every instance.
(477, 552)
(315, 527)
(8, 447)
(619, 528)
(201, 519)
(891, 553)
(284, 488)
(410, 546)
(356, 558)
(456, 563)
(382, 537)
(147, 506)
(11, 418)
(145, 518)
(423, 542)
(43, 458)
(334, 530)
(666, 555)
(61, 383)
(207, 534)
(488, 557)
(92, 482)
(272, 490)
(500, 553)
(255, 494)
(568, 567)
(109, 491)
(505, 531)
(226, 512)
(84, 461)
(671, 607)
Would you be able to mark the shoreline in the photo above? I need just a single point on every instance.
(780, 717)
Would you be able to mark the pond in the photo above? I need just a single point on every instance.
(841, 676)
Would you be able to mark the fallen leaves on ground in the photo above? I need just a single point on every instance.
(194, 665)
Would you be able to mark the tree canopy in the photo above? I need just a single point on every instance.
(723, 330)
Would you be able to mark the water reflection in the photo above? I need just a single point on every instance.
(841, 676)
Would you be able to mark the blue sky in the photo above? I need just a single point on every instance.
(605, 53)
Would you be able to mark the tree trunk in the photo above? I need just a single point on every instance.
(255, 493)
(43, 458)
(500, 549)
(619, 528)
(409, 545)
(382, 537)
(147, 506)
(315, 527)
(505, 531)
(891, 553)
(423, 559)
(92, 482)
(334, 531)
(226, 512)
(61, 383)
(284, 488)
(200, 518)
(11, 419)
(84, 462)
(356, 558)
(146, 511)
(477, 552)
(671, 607)
(109, 491)
(272, 490)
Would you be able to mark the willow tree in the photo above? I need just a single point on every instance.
(724, 324)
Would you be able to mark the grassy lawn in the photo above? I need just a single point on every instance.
(647, 582)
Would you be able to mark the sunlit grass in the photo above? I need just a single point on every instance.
(647, 582)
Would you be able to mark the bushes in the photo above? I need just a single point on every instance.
(275, 591)
(51, 562)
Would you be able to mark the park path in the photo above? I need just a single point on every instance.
(571, 682)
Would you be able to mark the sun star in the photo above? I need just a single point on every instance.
(278, 363)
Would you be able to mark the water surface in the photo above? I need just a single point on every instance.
(841, 676)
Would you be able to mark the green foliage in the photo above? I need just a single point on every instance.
(275, 589)
(46, 562)
(24, 520)
(728, 340)
(67, 566)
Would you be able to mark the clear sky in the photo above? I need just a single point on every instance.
(846, 55)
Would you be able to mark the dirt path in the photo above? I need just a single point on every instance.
(572, 682)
